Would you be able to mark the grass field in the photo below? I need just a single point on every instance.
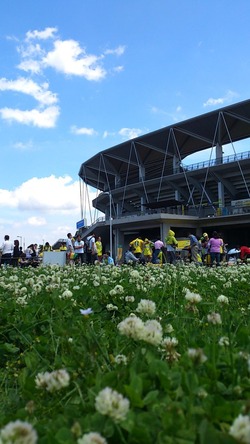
(100, 354)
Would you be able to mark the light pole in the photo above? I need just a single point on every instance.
(110, 222)
(21, 240)
(110, 225)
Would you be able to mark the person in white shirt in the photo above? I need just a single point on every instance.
(70, 249)
(79, 248)
(7, 250)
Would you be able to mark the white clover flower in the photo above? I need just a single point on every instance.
(131, 327)
(67, 294)
(37, 288)
(111, 307)
(135, 274)
(197, 355)
(240, 429)
(168, 347)
(13, 278)
(121, 359)
(214, 318)
(228, 284)
(29, 281)
(92, 438)
(129, 298)
(18, 432)
(169, 328)
(224, 341)
(22, 300)
(237, 390)
(53, 381)
(117, 290)
(169, 343)
(111, 403)
(222, 299)
(194, 298)
(202, 393)
(146, 306)
(152, 332)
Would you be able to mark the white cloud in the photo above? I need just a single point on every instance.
(107, 134)
(214, 102)
(118, 68)
(30, 50)
(36, 221)
(56, 194)
(24, 146)
(117, 51)
(42, 209)
(156, 110)
(68, 57)
(176, 116)
(31, 56)
(30, 65)
(47, 33)
(229, 96)
(42, 119)
(83, 131)
(26, 86)
(130, 133)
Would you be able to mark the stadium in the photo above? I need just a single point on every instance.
(146, 186)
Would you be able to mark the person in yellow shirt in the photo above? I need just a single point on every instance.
(63, 246)
(171, 244)
(147, 250)
(47, 247)
(137, 246)
(99, 248)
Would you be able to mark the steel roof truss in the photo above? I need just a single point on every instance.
(153, 147)
(200, 187)
(121, 159)
(194, 135)
(228, 185)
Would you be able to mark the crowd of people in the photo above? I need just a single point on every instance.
(88, 252)
(13, 254)
(201, 251)
(77, 251)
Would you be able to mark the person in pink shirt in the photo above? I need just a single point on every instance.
(157, 248)
(214, 248)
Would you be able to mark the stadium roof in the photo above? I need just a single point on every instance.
(154, 152)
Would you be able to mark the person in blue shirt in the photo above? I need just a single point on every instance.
(194, 248)
(130, 258)
(107, 259)
(110, 259)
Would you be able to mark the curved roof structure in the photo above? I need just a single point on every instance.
(150, 172)
(151, 156)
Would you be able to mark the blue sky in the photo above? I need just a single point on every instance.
(81, 76)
